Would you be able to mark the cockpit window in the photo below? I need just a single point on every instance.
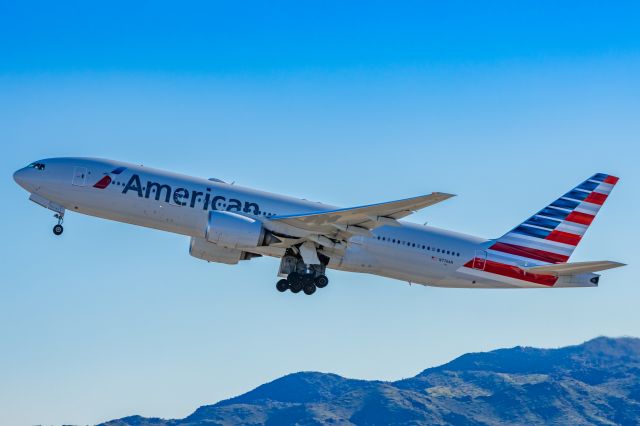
(37, 166)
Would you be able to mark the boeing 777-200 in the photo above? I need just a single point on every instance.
(228, 223)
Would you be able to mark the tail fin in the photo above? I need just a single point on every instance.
(552, 234)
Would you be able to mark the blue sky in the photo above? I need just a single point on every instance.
(507, 105)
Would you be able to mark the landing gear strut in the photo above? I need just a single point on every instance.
(301, 277)
(58, 229)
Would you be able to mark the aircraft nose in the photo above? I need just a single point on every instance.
(21, 178)
(18, 176)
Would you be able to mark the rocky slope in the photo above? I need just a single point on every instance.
(597, 382)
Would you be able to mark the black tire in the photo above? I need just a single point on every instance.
(282, 286)
(321, 281)
(295, 282)
(309, 289)
(58, 229)
(294, 277)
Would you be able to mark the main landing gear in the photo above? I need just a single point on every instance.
(300, 276)
(58, 229)
(308, 283)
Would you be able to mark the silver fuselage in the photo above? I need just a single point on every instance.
(147, 197)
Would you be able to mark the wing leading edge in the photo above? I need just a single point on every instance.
(360, 220)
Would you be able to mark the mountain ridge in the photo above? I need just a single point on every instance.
(596, 382)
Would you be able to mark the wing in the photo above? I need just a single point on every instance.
(360, 220)
(574, 268)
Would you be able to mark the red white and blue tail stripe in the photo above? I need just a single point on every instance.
(552, 234)
(548, 237)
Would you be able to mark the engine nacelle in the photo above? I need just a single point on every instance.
(203, 249)
(233, 231)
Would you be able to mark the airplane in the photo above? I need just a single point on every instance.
(228, 223)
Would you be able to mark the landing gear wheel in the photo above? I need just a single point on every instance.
(294, 277)
(282, 286)
(295, 282)
(58, 229)
(321, 281)
(309, 289)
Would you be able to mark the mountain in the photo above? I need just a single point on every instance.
(597, 382)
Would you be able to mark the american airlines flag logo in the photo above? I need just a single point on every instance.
(106, 180)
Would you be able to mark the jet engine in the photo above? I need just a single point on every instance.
(228, 238)
(233, 231)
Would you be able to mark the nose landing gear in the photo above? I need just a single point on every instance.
(58, 229)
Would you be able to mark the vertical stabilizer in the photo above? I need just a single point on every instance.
(552, 234)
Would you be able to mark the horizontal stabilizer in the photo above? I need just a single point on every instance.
(574, 268)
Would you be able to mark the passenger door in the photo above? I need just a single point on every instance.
(79, 176)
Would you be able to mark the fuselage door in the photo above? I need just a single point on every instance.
(79, 176)
(480, 260)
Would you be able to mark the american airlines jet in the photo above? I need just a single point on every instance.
(228, 223)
